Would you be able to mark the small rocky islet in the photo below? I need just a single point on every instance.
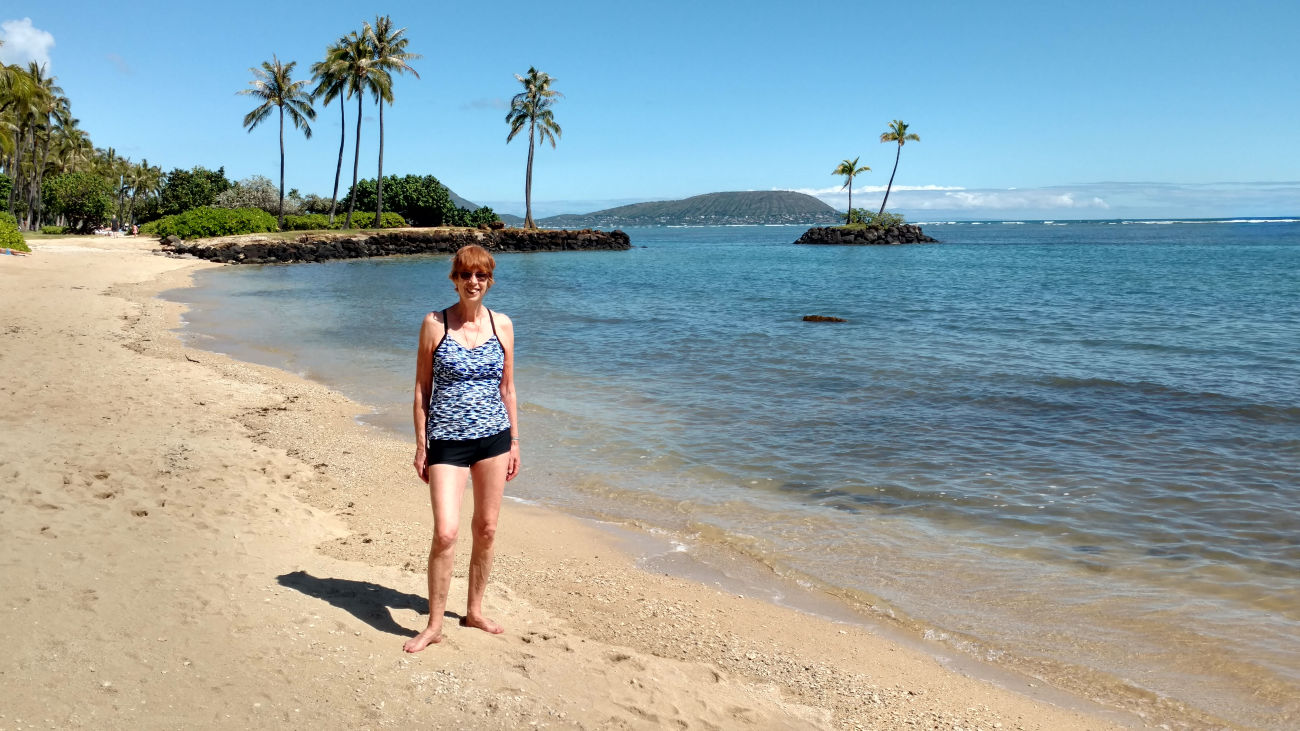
(865, 236)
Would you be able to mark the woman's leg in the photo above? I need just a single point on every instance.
(446, 488)
(489, 478)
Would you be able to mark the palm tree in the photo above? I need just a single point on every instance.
(849, 169)
(143, 178)
(532, 106)
(897, 133)
(53, 107)
(332, 83)
(357, 63)
(391, 56)
(275, 86)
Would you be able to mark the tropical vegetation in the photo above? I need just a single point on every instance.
(850, 169)
(532, 108)
(897, 132)
(10, 237)
(872, 219)
(53, 178)
(421, 200)
(207, 222)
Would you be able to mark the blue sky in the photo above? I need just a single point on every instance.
(1025, 110)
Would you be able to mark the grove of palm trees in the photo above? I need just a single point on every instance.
(898, 133)
(53, 178)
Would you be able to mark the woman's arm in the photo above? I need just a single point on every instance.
(506, 334)
(430, 334)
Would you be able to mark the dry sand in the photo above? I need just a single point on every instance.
(195, 541)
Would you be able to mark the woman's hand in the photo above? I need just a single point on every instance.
(512, 464)
(421, 468)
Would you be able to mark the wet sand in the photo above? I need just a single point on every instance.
(193, 540)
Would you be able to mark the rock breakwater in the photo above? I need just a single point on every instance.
(862, 235)
(323, 246)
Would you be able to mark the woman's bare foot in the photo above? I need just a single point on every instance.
(482, 623)
(428, 637)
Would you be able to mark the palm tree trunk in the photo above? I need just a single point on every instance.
(849, 217)
(891, 180)
(528, 183)
(356, 161)
(17, 170)
(379, 181)
(45, 156)
(338, 169)
(282, 167)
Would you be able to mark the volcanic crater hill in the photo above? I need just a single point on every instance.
(765, 207)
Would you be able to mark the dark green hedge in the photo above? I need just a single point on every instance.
(206, 222)
(321, 222)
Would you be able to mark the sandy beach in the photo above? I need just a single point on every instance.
(192, 540)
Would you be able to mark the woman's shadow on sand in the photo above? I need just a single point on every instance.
(370, 603)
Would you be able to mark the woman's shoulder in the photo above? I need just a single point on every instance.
(501, 319)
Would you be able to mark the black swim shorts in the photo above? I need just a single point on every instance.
(465, 452)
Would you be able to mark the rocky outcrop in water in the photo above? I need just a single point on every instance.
(861, 235)
(322, 246)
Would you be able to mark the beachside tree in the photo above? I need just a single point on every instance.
(897, 133)
(274, 85)
(20, 107)
(363, 77)
(850, 169)
(391, 57)
(331, 77)
(532, 107)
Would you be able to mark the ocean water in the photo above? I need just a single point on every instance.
(1071, 448)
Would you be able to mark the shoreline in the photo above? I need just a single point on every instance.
(261, 482)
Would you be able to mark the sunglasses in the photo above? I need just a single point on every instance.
(466, 276)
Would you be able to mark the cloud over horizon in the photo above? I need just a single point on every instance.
(1089, 200)
(24, 42)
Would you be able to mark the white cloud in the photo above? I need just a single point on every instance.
(497, 104)
(119, 63)
(836, 189)
(24, 42)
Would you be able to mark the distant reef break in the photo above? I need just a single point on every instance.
(323, 246)
(865, 236)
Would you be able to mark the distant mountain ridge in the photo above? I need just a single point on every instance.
(763, 207)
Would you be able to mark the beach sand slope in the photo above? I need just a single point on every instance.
(194, 541)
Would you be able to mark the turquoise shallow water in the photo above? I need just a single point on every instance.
(1070, 447)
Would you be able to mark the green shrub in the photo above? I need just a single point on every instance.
(419, 199)
(207, 222)
(366, 219)
(873, 219)
(54, 230)
(480, 215)
(311, 222)
(10, 238)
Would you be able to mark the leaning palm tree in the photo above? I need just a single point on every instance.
(897, 133)
(391, 57)
(849, 169)
(274, 85)
(331, 78)
(364, 77)
(532, 107)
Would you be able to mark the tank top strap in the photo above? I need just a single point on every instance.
(446, 326)
(493, 323)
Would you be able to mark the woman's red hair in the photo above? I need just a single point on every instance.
(472, 258)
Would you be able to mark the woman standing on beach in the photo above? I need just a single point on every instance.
(465, 428)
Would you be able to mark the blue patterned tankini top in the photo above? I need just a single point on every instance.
(466, 400)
